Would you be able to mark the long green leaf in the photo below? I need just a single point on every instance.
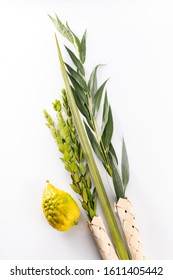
(108, 131)
(124, 166)
(83, 48)
(105, 111)
(76, 61)
(97, 98)
(93, 142)
(81, 106)
(77, 77)
(76, 39)
(79, 91)
(112, 151)
(114, 230)
(62, 29)
(117, 182)
(92, 83)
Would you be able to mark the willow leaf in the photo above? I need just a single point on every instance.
(112, 151)
(62, 29)
(117, 182)
(105, 111)
(81, 106)
(124, 166)
(97, 98)
(92, 84)
(76, 61)
(108, 131)
(93, 142)
(80, 92)
(76, 39)
(83, 48)
(77, 77)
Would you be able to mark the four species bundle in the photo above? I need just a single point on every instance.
(78, 134)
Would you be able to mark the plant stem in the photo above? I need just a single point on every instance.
(113, 227)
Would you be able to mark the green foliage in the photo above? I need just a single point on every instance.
(88, 96)
(108, 130)
(72, 156)
(124, 166)
(76, 61)
(82, 52)
(62, 29)
(118, 185)
(97, 98)
(92, 83)
(105, 112)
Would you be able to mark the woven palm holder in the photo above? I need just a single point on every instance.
(130, 227)
(104, 244)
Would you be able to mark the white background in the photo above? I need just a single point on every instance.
(134, 39)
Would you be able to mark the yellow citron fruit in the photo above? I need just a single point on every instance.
(60, 209)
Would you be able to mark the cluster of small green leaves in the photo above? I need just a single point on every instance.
(74, 161)
(88, 96)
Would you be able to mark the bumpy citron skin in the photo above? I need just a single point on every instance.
(60, 209)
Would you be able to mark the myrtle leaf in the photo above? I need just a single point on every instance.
(82, 169)
(108, 131)
(76, 61)
(97, 98)
(84, 195)
(84, 205)
(93, 142)
(91, 211)
(89, 181)
(124, 166)
(117, 182)
(75, 188)
(62, 29)
(82, 52)
(105, 111)
(77, 77)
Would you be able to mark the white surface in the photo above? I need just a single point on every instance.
(134, 38)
